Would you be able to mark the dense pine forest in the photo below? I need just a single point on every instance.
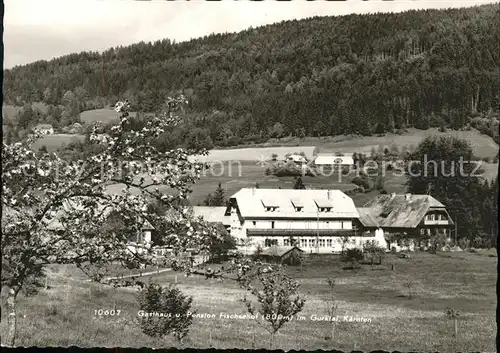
(355, 74)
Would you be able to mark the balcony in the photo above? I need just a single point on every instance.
(301, 232)
(440, 222)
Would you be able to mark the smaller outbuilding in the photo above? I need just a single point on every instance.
(288, 255)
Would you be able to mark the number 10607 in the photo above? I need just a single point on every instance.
(102, 312)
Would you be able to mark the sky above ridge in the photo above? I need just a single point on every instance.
(41, 30)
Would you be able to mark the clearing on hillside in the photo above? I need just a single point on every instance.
(482, 145)
(104, 115)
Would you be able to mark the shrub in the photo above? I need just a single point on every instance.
(353, 254)
(363, 182)
(383, 192)
(170, 301)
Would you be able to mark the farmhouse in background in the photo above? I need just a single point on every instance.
(45, 129)
(314, 220)
(296, 158)
(327, 162)
(408, 216)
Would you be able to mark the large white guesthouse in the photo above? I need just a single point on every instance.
(314, 220)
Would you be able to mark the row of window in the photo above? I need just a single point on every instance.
(254, 224)
(436, 217)
(299, 209)
(303, 243)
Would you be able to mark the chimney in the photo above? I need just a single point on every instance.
(407, 196)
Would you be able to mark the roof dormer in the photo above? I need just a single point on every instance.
(324, 205)
(270, 205)
(298, 205)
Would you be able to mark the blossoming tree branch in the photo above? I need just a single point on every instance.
(54, 211)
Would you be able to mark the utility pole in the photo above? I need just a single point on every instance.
(455, 231)
(317, 232)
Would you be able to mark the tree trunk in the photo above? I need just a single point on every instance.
(477, 98)
(11, 321)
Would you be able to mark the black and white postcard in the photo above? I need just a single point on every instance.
(250, 175)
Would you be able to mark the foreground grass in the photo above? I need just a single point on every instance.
(64, 314)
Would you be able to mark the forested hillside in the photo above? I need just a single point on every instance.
(320, 76)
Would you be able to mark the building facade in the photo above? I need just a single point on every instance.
(316, 221)
(407, 221)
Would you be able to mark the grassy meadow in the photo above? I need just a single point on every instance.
(234, 176)
(64, 314)
(105, 115)
(482, 145)
(53, 142)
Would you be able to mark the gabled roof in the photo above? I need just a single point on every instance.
(279, 250)
(330, 159)
(249, 203)
(368, 217)
(214, 214)
(400, 211)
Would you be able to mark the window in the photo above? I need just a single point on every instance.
(254, 223)
(312, 243)
(303, 243)
(298, 209)
(329, 243)
(140, 237)
(272, 224)
(270, 242)
(286, 242)
(341, 225)
(431, 217)
(321, 243)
